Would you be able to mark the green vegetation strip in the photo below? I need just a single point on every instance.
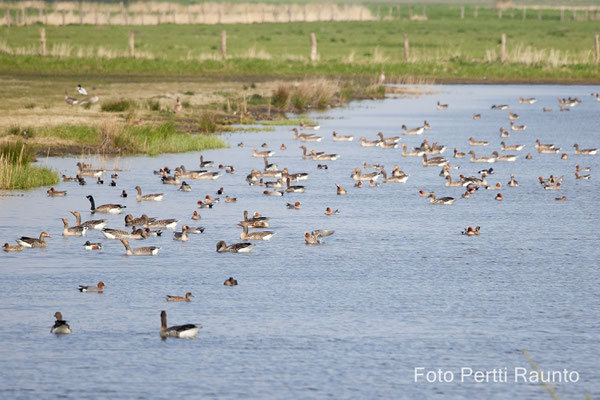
(17, 173)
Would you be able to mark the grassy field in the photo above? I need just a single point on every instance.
(443, 47)
(16, 171)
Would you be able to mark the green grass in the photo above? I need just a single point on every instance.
(117, 105)
(16, 171)
(289, 122)
(443, 47)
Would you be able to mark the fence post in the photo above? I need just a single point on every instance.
(224, 44)
(313, 47)
(131, 44)
(596, 49)
(43, 41)
(406, 48)
(462, 12)
(503, 48)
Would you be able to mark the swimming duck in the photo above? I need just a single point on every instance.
(155, 233)
(441, 200)
(187, 331)
(205, 164)
(584, 151)
(299, 176)
(340, 190)
(372, 183)
(256, 221)
(56, 193)
(230, 282)
(414, 131)
(378, 167)
(564, 156)
(476, 116)
(181, 236)
(148, 197)
(553, 187)
(365, 143)
(262, 235)
(329, 211)
(498, 197)
(474, 142)
(283, 147)
(295, 206)
(497, 186)
(577, 176)
(98, 288)
(171, 180)
(112, 184)
(322, 166)
(480, 159)
(202, 204)
(33, 242)
(514, 127)
(196, 216)
(562, 198)
(60, 326)
(424, 194)
(97, 224)
(315, 236)
(500, 107)
(358, 184)
(230, 199)
(187, 297)
(340, 138)
(508, 157)
(140, 251)
(579, 169)
(73, 231)
(105, 208)
(124, 194)
(185, 187)
(8, 247)
(92, 246)
(273, 193)
(470, 232)
(504, 133)
(136, 234)
(68, 179)
(442, 106)
(394, 179)
(264, 145)
(234, 248)
(458, 154)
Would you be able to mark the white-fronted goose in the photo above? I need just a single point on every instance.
(584, 151)
(105, 208)
(234, 248)
(262, 235)
(73, 231)
(70, 100)
(340, 138)
(56, 193)
(60, 326)
(187, 331)
(33, 242)
(298, 135)
(538, 145)
(324, 157)
(188, 297)
(148, 197)
(98, 288)
(140, 251)
(548, 150)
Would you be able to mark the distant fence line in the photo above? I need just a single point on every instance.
(155, 13)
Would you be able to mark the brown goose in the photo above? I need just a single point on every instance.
(234, 248)
(148, 197)
(262, 235)
(73, 231)
(105, 208)
(187, 331)
(33, 242)
(98, 224)
(140, 251)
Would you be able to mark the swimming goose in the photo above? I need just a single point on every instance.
(294, 189)
(230, 199)
(256, 221)
(442, 106)
(187, 331)
(262, 235)
(365, 143)
(553, 187)
(295, 206)
(270, 167)
(516, 147)
(562, 198)
(298, 135)
(98, 288)
(513, 182)
(458, 154)
(205, 164)
(83, 170)
(577, 176)
(434, 162)
(584, 151)
(113, 234)
(340, 138)
(500, 107)
(412, 153)
(340, 190)
(185, 187)
(473, 180)
(311, 127)
(394, 139)
(105, 208)
(207, 175)
(230, 282)
(311, 138)
(171, 180)
(393, 179)
(181, 236)
(504, 133)
(170, 223)
(441, 200)
(324, 157)
(435, 149)
(276, 184)
(97, 224)
(568, 102)
(148, 197)
(445, 172)
(357, 175)
(60, 326)
(451, 183)
(426, 125)
(579, 169)
(305, 155)
(474, 142)
(73, 231)
(234, 248)
(509, 157)
(33, 242)
(195, 230)
(56, 193)
(315, 236)
(140, 251)
(92, 246)
(480, 159)
(8, 247)
(514, 127)
(547, 150)
(512, 116)
(530, 100)
(544, 145)
(414, 131)
(130, 221)
(187, 297)
(476, 116)
(388, 145)
(70, 100)
(329, 211)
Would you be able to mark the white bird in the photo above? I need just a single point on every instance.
(81, 90)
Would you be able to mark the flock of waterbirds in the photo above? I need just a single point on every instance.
(283, 181)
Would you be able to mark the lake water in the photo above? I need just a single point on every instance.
(395, 288)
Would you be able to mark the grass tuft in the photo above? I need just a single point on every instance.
(118, 105)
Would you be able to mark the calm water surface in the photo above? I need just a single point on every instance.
(396, 287)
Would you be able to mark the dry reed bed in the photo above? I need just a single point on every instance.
(154, 13)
